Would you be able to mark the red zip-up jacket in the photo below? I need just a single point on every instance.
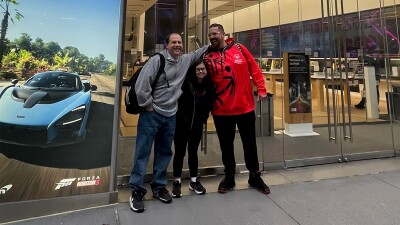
(233, 71)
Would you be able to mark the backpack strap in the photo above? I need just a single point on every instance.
(240, 48)
(159, 72)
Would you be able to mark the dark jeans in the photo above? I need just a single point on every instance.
(152, 126)
(226, 129)
(190, 138)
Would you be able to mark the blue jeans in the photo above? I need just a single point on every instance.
(152, 126)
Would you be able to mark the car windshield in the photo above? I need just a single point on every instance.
(57, 81)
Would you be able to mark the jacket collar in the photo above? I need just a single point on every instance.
(169, 58)
(229, 43)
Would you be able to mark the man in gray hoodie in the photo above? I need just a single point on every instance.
(157, 123)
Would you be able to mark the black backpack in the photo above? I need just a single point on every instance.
(131, 103)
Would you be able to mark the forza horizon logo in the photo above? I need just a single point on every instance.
(88, 181)
(64, 183)
(4, 189)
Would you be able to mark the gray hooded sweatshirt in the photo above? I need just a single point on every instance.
(168, 88)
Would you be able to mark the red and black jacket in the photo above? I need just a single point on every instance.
(232, 70)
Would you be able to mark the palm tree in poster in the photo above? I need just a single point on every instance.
(7, 15)
(61, 60)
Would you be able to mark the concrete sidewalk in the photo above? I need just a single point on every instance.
(372, 199)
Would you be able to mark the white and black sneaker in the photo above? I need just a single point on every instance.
(176, 189)
(197, 187)
(136, 201)
(163, 195)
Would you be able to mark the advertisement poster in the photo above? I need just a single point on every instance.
(250, 39)
(299, 83)
(57, 88)
(270, 42)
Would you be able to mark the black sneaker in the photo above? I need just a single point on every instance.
(163, 195)
(257, 182)
(197, 187)
(227, 184)
(360, 105)
(176, 189)
(136, 201)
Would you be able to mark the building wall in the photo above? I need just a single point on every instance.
(281, 12)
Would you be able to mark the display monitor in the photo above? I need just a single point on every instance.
(395, 62)
(269, 64)
(396, 88)
(277, 64)
(318, 64)
(353, 64)
(328, 63)
(356, 67)
(314, 64)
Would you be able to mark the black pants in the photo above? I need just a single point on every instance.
(364, 99)
(226, 129)
(184, 136)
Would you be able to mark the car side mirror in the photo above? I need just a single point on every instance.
(14, 81)
(86, 86)
(94, 87)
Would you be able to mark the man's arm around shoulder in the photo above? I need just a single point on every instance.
(197, 54)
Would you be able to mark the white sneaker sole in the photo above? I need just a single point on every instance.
(163, 200)
(197, 192)
(133, 208)
(176, 196)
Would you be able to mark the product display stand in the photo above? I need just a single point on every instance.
(297, 101)
(299, 129)
(370, 93)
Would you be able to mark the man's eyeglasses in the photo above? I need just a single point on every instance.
(213, 34)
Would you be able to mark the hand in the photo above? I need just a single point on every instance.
(149, 108)
(261, 96)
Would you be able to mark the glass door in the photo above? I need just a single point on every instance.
(393, 46)
(354, 59)
(306, 28)
(349, 62)
(367, 52)
(230, 14)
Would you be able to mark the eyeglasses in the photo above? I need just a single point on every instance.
(213, 34)
(198, 70)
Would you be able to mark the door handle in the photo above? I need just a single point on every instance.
(329, 23)
(342, 34)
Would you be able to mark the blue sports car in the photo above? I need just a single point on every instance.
(49, 109)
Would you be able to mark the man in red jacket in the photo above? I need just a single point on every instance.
(232, 68)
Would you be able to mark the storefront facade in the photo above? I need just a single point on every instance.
(348, 43)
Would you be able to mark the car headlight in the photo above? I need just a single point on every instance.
(74, 116)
